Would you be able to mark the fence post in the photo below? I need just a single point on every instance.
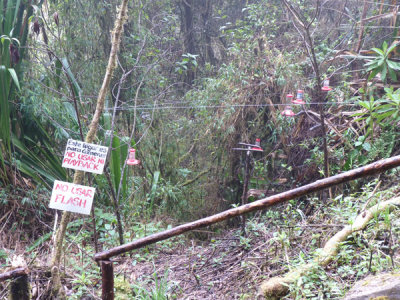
(107, 285)
(20, 289)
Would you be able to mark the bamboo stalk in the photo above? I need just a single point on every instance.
(370, 169)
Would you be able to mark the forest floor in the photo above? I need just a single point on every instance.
(229, 266)
(224, 263)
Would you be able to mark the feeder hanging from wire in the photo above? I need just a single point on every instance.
(258, 145)
(132, 161)
(299, 98)
(325, 86)
(288, 112)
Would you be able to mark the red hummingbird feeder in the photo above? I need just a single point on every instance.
(325, 86)
(132, 161)
(257, 145)
(299, 98)
(289, 98)
(288, 112)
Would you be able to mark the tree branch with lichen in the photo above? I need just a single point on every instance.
(57, 290)
(276, 287)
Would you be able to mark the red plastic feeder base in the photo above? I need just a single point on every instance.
(288, 112)
(326, 88)
(133, 162)
(298, 101)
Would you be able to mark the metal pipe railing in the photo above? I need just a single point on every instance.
(370, 169)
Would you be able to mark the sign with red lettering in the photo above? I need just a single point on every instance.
(72, 197)
(85, 157)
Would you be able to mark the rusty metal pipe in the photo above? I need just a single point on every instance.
(370, 169)
(107, 276)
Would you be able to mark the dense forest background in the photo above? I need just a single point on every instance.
(195, 78)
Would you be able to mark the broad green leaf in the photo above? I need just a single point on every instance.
(39, 242)
(75, 86)
(365, 104)
(372, 66)
(362, 159)
(384, 73)
(384, 46)
(58, 66)
(360, 119)
(392, 47)
(385, 115)
(373, 73)
(394, 65)
(154, 184)
(379, 51)
(124, 153)
(115, 162)
(366, 147)
(14, 77)
(372, 62)
(70, 109)
(392, 74)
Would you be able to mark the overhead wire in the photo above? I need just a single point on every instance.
(160, 107)
(181, 104)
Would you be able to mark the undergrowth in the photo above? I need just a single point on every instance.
(276, 241)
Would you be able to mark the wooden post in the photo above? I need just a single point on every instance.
(245, 189)
(107, 285)
(20, 288)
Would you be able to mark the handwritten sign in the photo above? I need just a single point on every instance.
(84, 157)
(72, 197)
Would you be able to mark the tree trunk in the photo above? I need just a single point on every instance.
(57, 290)
(188, 36)
(206, 16)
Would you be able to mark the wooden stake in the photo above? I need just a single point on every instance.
(107, 285)
(245, 189)
(20, 288)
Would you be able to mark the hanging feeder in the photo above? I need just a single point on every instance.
(289, 98)
(325, 86)
(299, 98)
(257, 145)
(288, 112)
(132, 161)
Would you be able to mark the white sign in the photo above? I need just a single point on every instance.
(84, 157)
(72, 197)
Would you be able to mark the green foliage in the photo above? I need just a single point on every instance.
(161, 290)
(31, 144)
(382, 64)
(315, 285)
(189, 61)
(9, 38)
